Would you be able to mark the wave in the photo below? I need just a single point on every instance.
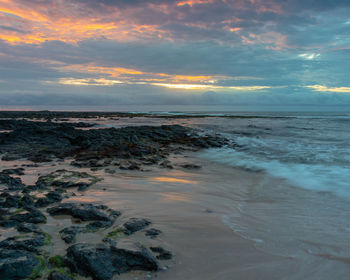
(316, 177)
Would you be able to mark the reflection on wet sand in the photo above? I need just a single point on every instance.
(173, 180)
(173, 196)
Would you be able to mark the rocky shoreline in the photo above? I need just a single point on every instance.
(26, 208)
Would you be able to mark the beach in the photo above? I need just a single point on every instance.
(215, 219)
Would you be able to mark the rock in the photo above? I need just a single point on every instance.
(16, 171)
(190, 166)
(8, 223)
(26, 201)
(54, 196)
(30, 243)
(11, 182)
(82, 211)
(162, 253)
(132, 166)
(166, 164)
(99, 224)
(82, 186)
(152, 232)
(16, 264)
(135, 224)
(42, 202)
(28, 227)
(101, 262)
(55, 275)
(68, 234)
(32, 216)
(11, 201)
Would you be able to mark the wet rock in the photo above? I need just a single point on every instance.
(114, 214)
(190, 166)
(28, 227)
(131, 166)
(16, 171)
(33, 215)
(82, 186)
(101, 262)
(82, 211)
(99, 224)
(54, 196)
(152, 233)
(11, 201)
(42, 202)
(16, 264)
(135, 224)
(110, 171)
(29, 244)
(68, 234)
(26, 201)
(166, 164)
(55, 275)
(8, 223)
(11, 182)
(162, 253)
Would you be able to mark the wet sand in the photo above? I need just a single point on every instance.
(188, 206)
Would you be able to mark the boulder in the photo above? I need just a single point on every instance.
(29, 244)
(68, 234)
(16, 264)
(135, 224)
(101, 262)
(82, 211)
(28, 227)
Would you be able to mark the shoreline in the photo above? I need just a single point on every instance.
(203, 219)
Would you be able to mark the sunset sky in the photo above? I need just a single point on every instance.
(103, 52)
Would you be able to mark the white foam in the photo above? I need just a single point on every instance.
(316, 177)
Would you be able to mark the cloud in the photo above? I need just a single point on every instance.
(178, 52)
(329, 89)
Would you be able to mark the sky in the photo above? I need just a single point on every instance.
(205, 52)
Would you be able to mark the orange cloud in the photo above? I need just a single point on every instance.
(193, 2)
(66, 22)
(132, 75)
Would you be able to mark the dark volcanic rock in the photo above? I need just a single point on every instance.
(101, 262)
(26, 201)
(68, 234)
(190, 166)
(16, 171)
(44, 141)
(152, 232)
(82, 211)
(54, 196)
(55, 275)
(28, 227)
(99, 224)
(42, 202)
(135, 224)
(30, 244)
(11, 182)
(11, 201)
(162, 253)
(33, 216)
(16, 264)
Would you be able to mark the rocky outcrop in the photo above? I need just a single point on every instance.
(101, 262)
(82, 211)
(16, 264)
